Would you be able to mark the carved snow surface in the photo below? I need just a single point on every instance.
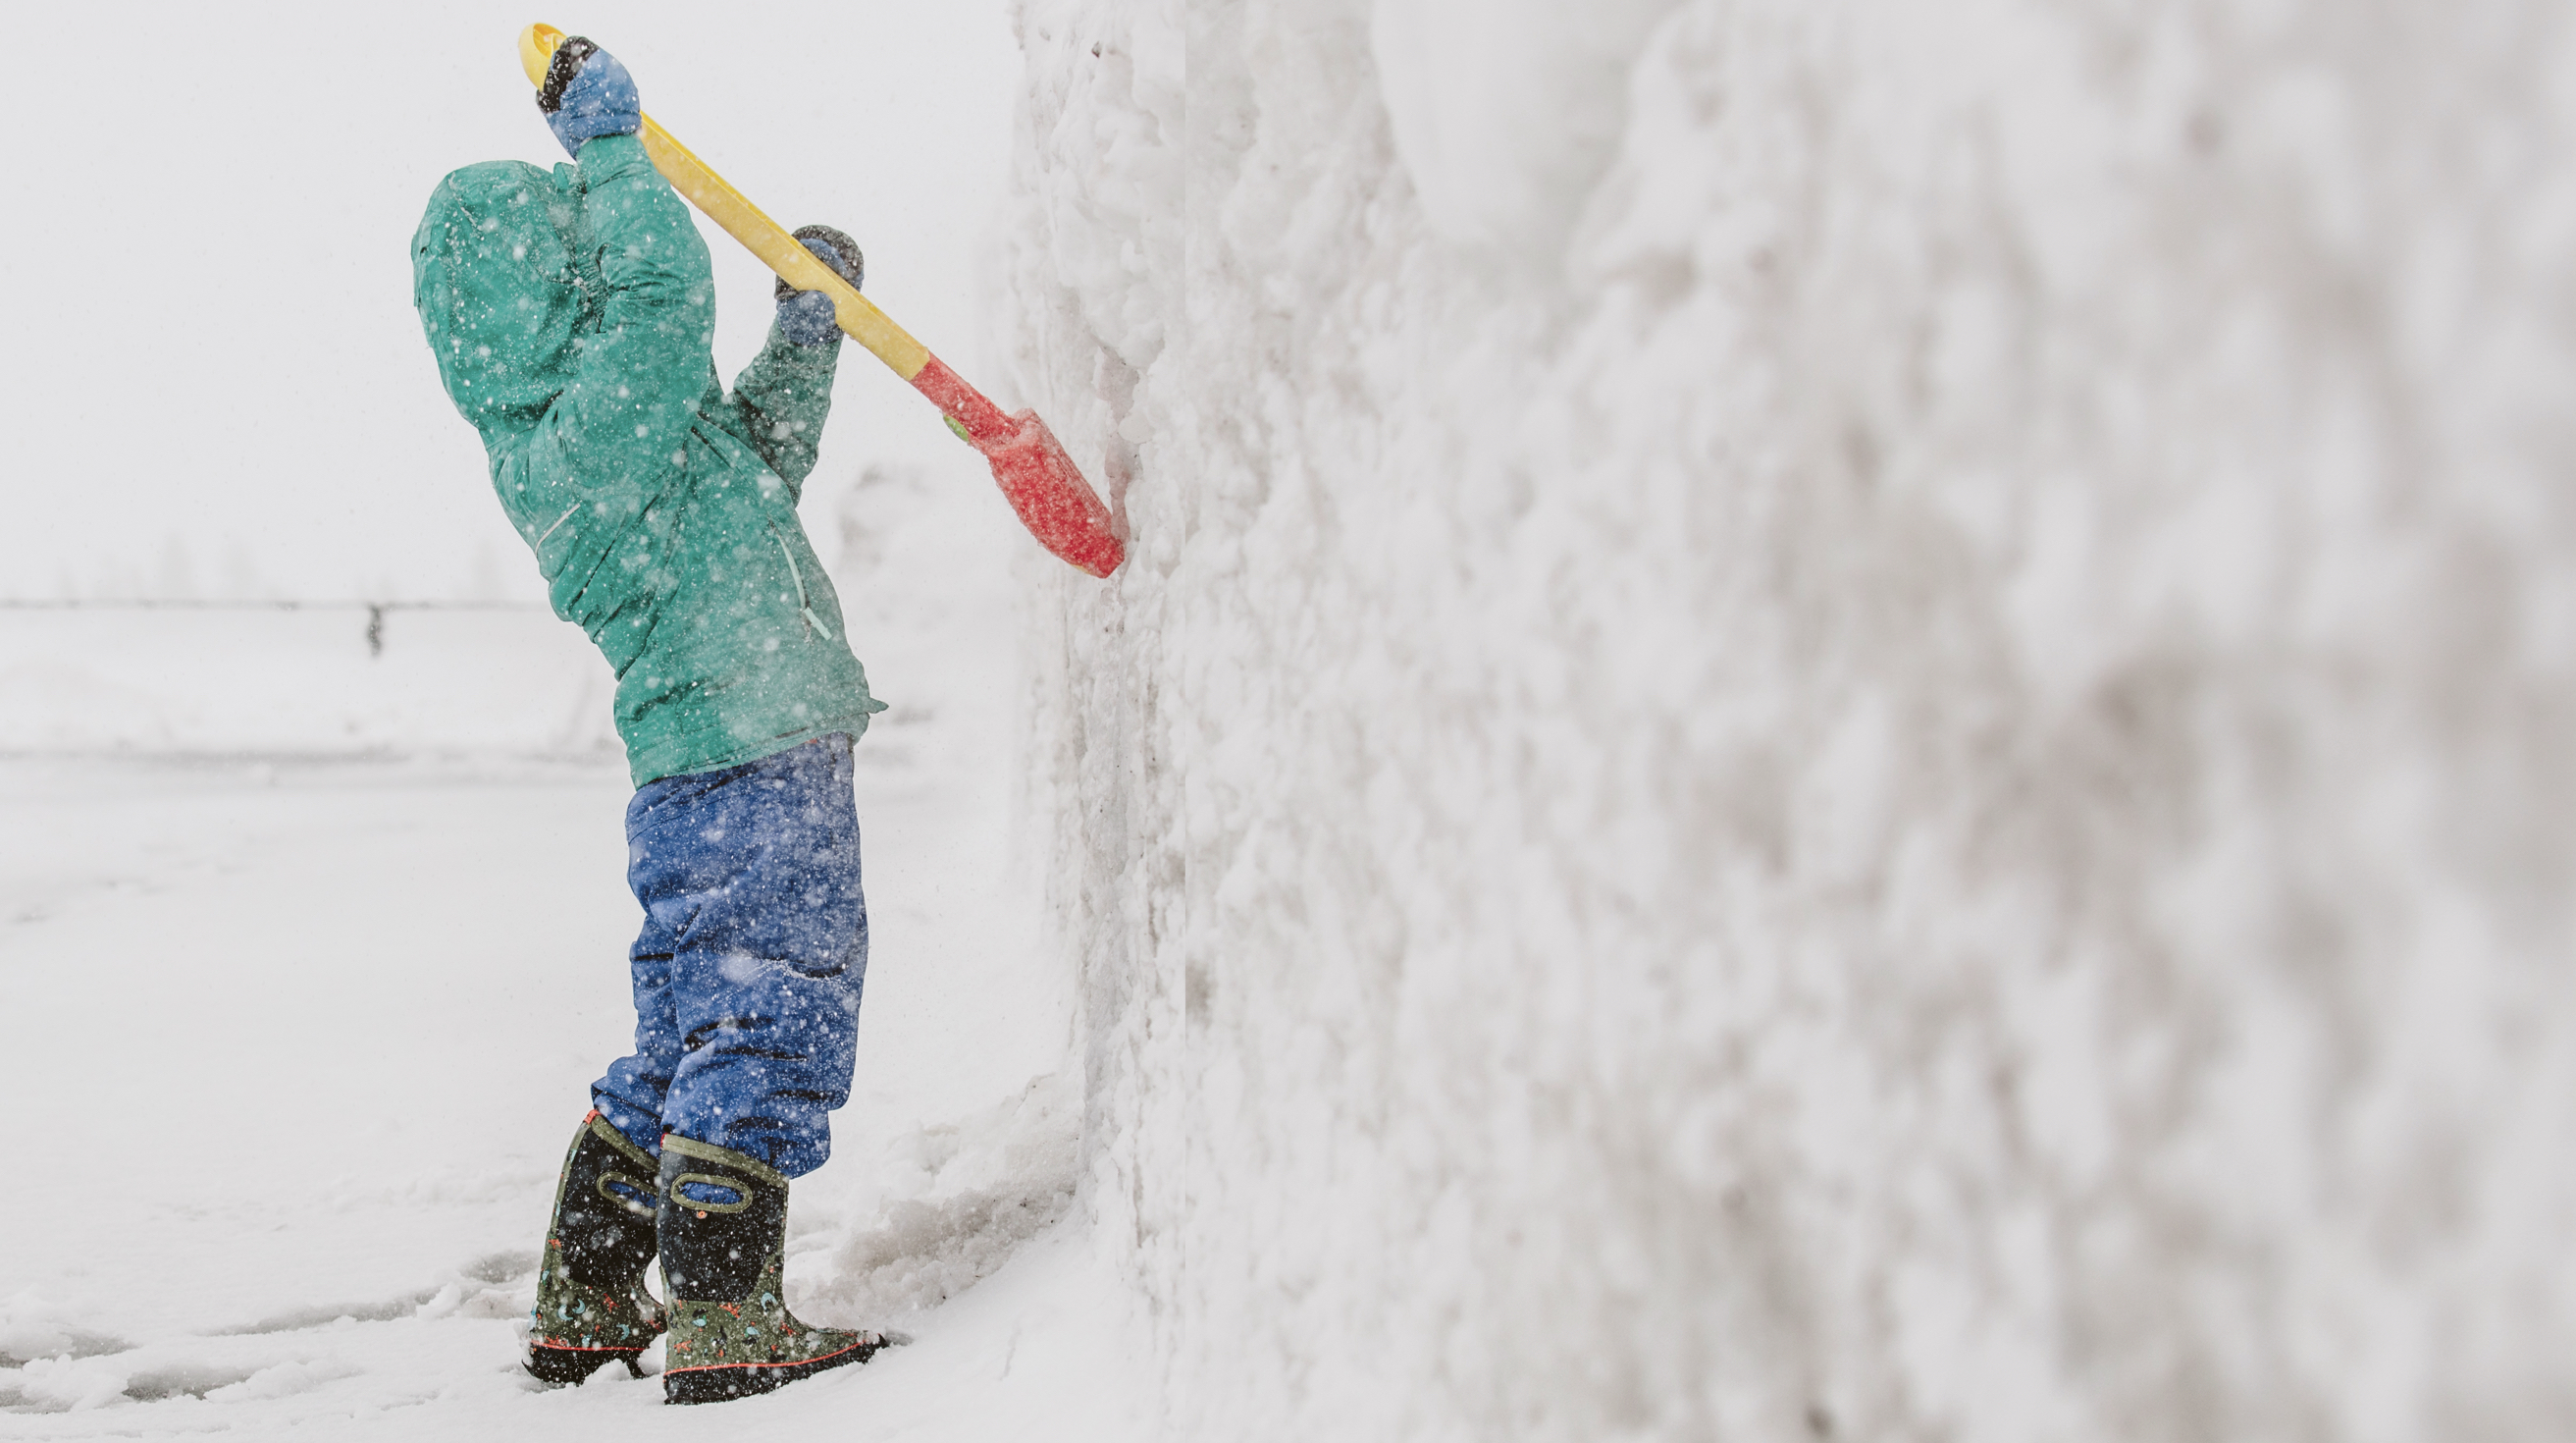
(1906, 772)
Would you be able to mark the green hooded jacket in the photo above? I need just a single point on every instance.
(571, 313)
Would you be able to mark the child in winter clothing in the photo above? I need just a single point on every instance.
(571, 313)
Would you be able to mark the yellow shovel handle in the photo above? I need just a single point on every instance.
(763, 237)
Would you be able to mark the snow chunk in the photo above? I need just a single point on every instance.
(1507, 112)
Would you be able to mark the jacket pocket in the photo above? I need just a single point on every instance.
(796, 574)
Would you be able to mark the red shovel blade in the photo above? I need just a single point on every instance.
(1055, 503)
(1038, 479)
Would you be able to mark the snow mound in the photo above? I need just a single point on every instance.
(969, 1194)
(1883, 751)
(33, 1328)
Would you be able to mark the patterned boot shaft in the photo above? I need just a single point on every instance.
(724, 1248)
(592, 1305)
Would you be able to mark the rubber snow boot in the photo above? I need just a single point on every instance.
(592, 1305)
(724, 1245)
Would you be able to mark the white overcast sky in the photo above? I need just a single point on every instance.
(211, 348)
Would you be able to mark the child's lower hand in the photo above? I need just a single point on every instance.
(807, 318)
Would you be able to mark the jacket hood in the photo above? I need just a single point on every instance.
(499, 292)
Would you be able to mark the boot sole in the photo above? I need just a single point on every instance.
(721, 1382)
(563, 1367)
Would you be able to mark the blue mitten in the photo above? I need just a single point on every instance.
(807, 317)
(587, 94)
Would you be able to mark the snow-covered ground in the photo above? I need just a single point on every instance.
(294, 1052)
(296, 1040)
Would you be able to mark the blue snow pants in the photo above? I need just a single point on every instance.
(747, 973)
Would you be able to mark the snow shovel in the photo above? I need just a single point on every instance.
(1039, 480)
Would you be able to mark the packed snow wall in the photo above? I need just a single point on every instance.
(1829, 720)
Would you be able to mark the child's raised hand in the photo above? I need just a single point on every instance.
(587, 94)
